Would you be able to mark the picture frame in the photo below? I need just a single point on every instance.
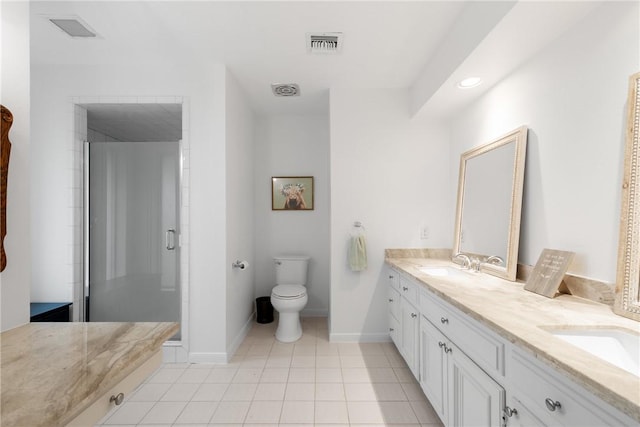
(292, 193)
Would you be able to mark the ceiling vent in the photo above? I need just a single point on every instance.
(324, 42)
(73, 26)
(285, 89)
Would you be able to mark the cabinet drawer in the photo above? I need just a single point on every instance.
(99, 408)
(536, 385)
(393, 278)
(394, 331)
(486, 349)
(394, 302)
(409, 290)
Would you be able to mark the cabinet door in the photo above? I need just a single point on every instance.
(394, 331)
(393, 298)
(475, 399)
(521, 417)
(393, 278)
(433, 367)
(409, 325)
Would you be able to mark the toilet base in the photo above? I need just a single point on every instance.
(289, 327)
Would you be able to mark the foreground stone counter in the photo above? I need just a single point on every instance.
(525, 318)
(52, 372)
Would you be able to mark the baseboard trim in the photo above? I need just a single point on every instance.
(314, 312)
(381, 337)
(237, 341)
(217, 358)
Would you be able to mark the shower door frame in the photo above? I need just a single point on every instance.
(174, 351)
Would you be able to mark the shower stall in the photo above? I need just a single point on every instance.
(132, 231)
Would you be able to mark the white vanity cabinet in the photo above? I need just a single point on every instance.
(473, 375)
(461, 393)
(393, 299)
(409, 327)
(542, 398)
(404, 317)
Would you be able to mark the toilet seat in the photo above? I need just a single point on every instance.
(289, 291)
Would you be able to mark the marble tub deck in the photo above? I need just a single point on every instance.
(51, 372)
(524, 319)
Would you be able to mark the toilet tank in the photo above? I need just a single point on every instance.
(291, 269)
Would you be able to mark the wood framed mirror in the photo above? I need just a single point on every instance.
(489, 205)
(627, 301)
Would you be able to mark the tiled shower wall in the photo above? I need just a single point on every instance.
(173, 351)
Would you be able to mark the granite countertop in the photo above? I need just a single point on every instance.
(51, 372)
(521, 317)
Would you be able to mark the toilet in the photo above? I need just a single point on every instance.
(289, 296)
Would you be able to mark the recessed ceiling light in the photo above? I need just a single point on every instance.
(470, 82)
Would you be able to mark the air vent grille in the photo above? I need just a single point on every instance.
(74, 27)
(324, 43)
(285, 89)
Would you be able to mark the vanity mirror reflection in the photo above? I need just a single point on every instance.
(627, 302)
(487, 224)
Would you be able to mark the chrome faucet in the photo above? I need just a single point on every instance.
(466, 261)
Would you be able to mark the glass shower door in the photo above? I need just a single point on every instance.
(133, 232)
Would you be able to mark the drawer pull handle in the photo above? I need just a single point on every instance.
(444, 320)
(390, 299)
(390, 277)
(510, 412)
(413, 315)
(441, 344)
(404, 288)
(117, 399)
(552, 405)
(447, 349)
(391, 329)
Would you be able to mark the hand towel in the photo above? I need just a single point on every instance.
(357, 253)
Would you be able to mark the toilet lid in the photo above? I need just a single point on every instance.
(289, 291)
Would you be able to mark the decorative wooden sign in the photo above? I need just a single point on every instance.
(5, 148)
(548, 272)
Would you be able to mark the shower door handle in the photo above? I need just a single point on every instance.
(170, 239)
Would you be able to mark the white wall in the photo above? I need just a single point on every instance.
(240, 202)
(572, 96)
(293, 146)
(390, 173)
(14, 94)
(203, 86)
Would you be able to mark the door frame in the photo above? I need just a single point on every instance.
(173, 351)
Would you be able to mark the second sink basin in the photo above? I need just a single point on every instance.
(441, 271)
(616, 346)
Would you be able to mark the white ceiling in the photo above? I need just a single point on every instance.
(387, 44)
(136, 122)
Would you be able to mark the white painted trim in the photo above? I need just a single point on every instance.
(314, 312)
(231, 350)
(219, 358)
(381, 337)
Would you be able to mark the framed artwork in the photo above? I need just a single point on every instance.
(292, 193)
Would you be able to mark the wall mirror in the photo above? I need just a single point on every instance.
(489, 203)
(627, 302)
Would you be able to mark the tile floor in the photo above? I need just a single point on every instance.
(308, 383)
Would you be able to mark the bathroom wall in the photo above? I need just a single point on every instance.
(291, 145)
(203, 87)
(390, 173)
(239, 123)
(572, 96)
(14, 94)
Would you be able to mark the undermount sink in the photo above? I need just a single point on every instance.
(616, 346)
(441, 271)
